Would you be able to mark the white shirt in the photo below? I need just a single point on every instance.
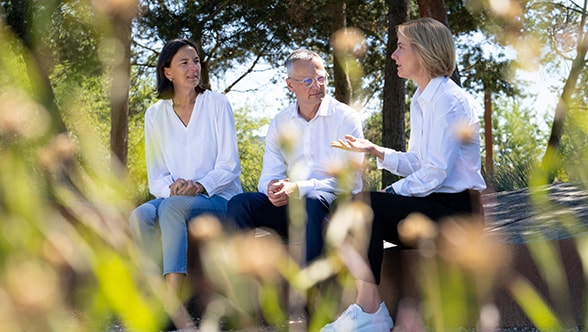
(301, 150)
(204, 151)
(444, 145)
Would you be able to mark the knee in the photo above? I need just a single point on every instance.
(239, 210)
(141, 220)
(172, 205)
(237, 205)
(142, 215)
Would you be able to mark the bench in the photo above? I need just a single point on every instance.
(510, 219)
(516, 227)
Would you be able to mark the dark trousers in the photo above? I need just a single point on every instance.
(253, 209)
(390, 209)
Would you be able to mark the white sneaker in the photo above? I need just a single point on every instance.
(354, 319)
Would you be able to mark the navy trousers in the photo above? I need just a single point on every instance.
(253, 209)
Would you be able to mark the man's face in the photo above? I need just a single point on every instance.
(306, 72)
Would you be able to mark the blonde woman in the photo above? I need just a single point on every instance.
(440, 170)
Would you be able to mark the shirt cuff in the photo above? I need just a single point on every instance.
(395, 188)
(304, 187)
(390, 161)
(390, 190)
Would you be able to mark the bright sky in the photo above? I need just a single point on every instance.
(266, 98)
(256, 90)
(264, 91)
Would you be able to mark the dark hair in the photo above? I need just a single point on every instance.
(165, 88)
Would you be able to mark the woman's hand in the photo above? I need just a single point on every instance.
(355, 144)
(175, 187)
(352, 143)
(186, 188)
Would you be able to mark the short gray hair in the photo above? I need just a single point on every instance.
(300, 54)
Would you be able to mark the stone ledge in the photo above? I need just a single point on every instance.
(514, 221)
(514, 218)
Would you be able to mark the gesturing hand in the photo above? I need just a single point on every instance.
(355, 144)
(352, 143)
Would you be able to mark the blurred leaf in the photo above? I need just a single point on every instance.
(533, 305)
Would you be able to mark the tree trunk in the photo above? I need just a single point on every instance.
(119, 93)
(488, 139)
(394, 103)
(557, 128)
(20, 19)
(437, 10)
(343, 91)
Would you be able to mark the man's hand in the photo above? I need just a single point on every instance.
(278, 191)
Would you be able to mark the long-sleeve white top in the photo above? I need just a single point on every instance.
(444, 144)
(301, 150)
(204, 151)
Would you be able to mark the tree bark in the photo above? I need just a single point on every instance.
(394, 100)
(19, 19)
(437, 10)
(119, 93)
(557, 128)
(488, 139)
(343, 91)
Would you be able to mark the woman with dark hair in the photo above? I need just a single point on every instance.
(192, 162)
(441, 169)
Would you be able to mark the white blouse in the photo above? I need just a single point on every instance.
(444, 145)
(204, 151)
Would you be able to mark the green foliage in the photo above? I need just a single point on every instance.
(372, 130)
(142, 96)
(574, 148)
(518, 141)
(62, 203)
(231, 33)
(251, 146)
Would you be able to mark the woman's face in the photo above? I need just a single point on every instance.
(184, 68)
(406, 60)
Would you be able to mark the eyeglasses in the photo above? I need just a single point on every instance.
(307, 82)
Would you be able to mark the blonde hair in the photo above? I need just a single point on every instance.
(432, 43)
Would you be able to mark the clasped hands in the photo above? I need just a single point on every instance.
(278, 191)
(182, 187)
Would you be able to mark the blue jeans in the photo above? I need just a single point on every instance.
(253, 209)
(168, 218)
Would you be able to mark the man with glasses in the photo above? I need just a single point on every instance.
(299, 162)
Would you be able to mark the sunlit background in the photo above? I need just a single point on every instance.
(76, 77)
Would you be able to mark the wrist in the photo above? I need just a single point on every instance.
(390, 190)
(377, 151)
(201, 189)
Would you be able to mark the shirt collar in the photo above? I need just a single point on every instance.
(427, 94)
(324, 108)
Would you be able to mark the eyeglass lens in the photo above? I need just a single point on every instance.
(307, 82)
